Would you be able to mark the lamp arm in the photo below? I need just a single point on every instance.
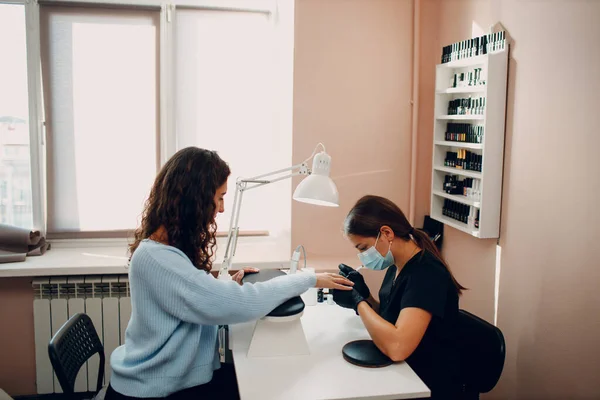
(241, 186)
(298, 167)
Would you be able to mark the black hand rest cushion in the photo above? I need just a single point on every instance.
(293, 306)
(364, 353)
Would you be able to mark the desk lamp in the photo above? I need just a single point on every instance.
(317, 188)
(280, 333)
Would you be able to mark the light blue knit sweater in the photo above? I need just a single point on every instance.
(171, 339)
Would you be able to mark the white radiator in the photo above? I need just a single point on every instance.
(107, 301)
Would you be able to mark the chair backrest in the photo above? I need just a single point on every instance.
(482, 352)
(72, 345)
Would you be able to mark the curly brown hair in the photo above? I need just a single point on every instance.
(182, 202)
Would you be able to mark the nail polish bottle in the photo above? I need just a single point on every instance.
(477, 219)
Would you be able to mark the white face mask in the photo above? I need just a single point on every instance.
(372, 259)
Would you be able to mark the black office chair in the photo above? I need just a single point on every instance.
(482, 352)
(75, 343)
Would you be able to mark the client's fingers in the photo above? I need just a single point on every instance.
(338, 286)
(238, 276)
(340, 280)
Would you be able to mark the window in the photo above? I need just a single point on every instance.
(226, 82)
(15, 166)
(100, 71)
(127, 85)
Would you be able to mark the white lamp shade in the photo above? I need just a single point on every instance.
(318, 188)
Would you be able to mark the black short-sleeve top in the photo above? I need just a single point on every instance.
(425, 283)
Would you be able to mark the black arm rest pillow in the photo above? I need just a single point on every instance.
(291, 307)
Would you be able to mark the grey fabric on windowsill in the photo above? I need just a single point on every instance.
(18, 243)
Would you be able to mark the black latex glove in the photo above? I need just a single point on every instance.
(348, 298)
(359, 281)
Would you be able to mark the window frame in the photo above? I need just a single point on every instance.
(280, 11)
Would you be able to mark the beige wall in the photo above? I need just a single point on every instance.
(352, 90)
(17, 352)
(549, 305)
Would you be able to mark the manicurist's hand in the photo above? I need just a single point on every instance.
(348, 299)
(333, 281)
(359, 281)
(238, 276)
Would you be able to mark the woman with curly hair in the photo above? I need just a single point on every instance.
(170, 345)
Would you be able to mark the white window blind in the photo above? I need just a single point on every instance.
(15, 169)
(225, 92)
(101, 96)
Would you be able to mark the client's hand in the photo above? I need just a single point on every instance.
(238, 276)
(348, 299)
(359, 281)
(333, 281)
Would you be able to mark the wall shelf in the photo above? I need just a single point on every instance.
(466, 62)
(462, 172)
(494, 69)
(460, 145)
(461, 117)
(467, 89)
(456, 224)
(458, 198)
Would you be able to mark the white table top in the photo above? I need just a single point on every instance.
(323, 374)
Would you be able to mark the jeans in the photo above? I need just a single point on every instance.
(222, 386)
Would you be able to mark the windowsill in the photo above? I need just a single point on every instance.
(107, 260)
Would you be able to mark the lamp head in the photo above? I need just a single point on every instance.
(318, 188)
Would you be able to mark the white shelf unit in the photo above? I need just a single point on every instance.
(494, 72)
